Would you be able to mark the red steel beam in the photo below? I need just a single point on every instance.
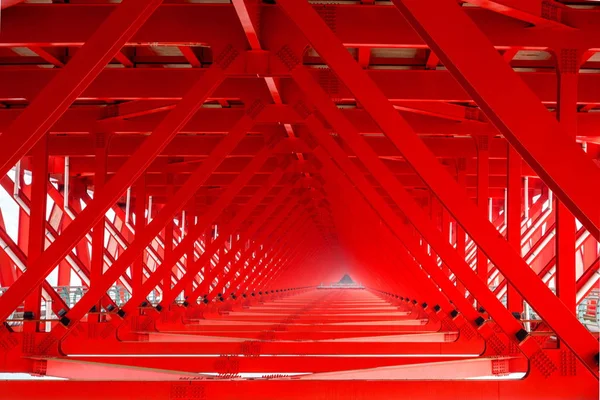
(219, 120)
(278, 227)
(149, 233)
(10, 3)
(232, 227)
(413, 210)
(294, 389)
(527, 11)
(512, 266)
(391, 220)
(236, 265)
(205, 220)
(397, 85)
(357, 25)
(71, 81)
(521, 118)
(113, 189)
(265, 364)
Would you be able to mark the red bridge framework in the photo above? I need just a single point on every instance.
(183, 184)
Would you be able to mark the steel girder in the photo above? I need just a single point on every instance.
(444, 187)
(58, 95)
(208, 209)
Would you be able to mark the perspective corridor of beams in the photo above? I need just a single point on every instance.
(299, 199)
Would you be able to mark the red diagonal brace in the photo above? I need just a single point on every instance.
(390, 217)
(548, 306)
(407, 204)
(269, 231)
(113, 189)
(520, 116)
(204, 222)
(231, 228)
(260, 221)
(288, 257)
(280, 255)
(58, 95)
(166, 213)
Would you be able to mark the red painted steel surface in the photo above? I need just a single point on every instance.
(184, 184)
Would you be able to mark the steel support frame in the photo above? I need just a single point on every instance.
(72, 80)
(267, 227)
(425, 285)
(294, 389)
(233, 227)
(520, 117)
(117, 185)
(143, 238)
(549, 307)
(205, 220)
(407, 204)
(278, 227)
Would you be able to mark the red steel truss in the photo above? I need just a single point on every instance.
(185, 183)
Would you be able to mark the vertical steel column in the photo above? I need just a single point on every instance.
(137, 267)
(191, 254)
(513, 219)
(8, 269)
(204, 285)
(461, 239)
(37, 226)
(64, 269)
(169, 227)
(568, 70)
(445, 218)
(97, 261)
(483, 179)
(435, 208)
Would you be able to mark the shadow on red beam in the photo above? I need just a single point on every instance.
(308, 319)
(435, 337)
(295, 389)
(74, 347)
(291, 364)
(338, 311)
(284, 335)
(77, 370)
(460, 369)
(233, 326)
